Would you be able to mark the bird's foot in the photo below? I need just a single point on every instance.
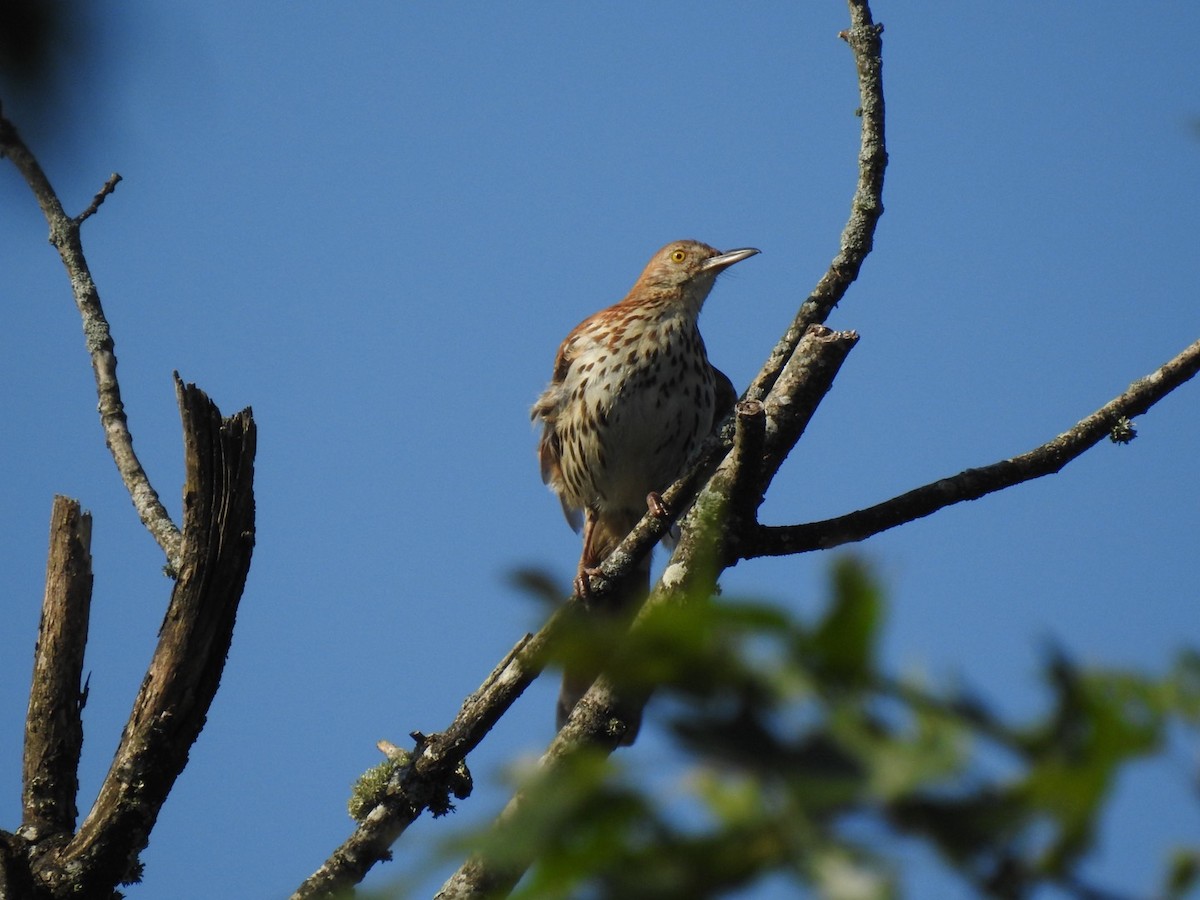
(654, 503)
(583, 581)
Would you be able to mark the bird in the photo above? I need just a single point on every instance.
(632, 395)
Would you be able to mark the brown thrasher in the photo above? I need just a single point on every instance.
(632, 395)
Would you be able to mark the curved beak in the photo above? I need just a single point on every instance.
(725, 260)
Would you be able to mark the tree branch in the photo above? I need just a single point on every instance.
(749, 437)
(436, 756)
(185, 671)
(65, 236)
(972, 484)
(865, 39)
(434, 767)
(792, 402)
(53, 724)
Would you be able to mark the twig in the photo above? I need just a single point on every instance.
(109, 187)
(864, 38)
(65, 236)
(972, 484)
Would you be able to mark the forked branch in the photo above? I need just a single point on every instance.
(865, 38)
(65, 236)
(211, 557)
(185, 671)
(971, 484)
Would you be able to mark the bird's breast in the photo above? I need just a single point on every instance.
(637, 400)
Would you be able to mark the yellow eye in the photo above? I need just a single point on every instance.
(678, 256)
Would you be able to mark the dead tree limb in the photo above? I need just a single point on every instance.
(183, 676)
(53, 724)
(185, 671)
(47, 857)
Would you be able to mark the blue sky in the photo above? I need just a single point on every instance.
(374, 222)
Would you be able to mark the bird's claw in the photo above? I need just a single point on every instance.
(583, 581)
(654, 503)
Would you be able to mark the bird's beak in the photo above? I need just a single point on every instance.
(725, 260)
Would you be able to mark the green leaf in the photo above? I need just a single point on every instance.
(1183, 874)
(842, 646)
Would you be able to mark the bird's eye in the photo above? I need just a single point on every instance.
(678, 256)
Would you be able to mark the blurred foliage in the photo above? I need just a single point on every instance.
(52, 77)
(29, 33)
(36, 36)
(808, 763)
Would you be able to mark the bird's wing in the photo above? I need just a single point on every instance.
(726, 395)
(550, 446)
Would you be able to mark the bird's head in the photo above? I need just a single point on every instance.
(689, 267)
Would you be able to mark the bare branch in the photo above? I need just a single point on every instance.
(749, 436)
(185, 670)
(792, 403)
(865, 39)
(53, 725)
(109, 186)
(65, 236)
(975, 483)
(432, 773)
